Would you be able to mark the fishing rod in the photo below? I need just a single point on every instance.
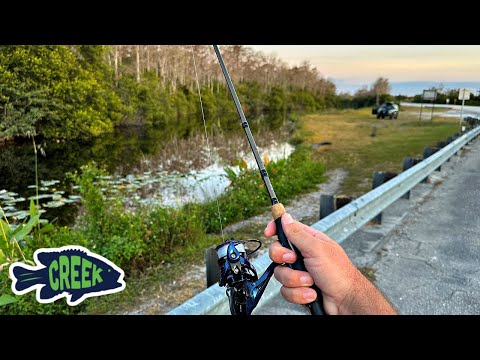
(243, 286)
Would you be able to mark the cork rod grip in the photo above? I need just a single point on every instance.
(277, 211)
(316, 307)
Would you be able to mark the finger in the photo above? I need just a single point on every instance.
(270, 230)
(308, 244)
(292, 278)
(281, 254)
(298, 295)
(308, 229)
(316, 233)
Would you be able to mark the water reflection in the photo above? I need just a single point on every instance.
(147, 165)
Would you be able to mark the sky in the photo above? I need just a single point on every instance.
(357, 65)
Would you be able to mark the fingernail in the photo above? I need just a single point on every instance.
(310, 294)
(287, 219)
(289, 257)
(306, 280)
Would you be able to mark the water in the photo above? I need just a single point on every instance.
(146, 166)
(207, 183)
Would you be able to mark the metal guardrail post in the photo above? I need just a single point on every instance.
(379, 178)
(327, 205)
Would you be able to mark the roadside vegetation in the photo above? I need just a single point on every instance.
(362, 144)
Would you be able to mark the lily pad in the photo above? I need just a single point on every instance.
(69, 201)
(54, 204)
(6, 197)
(57, 197)
(20, 215)
(133, 187)
(49, 182)
(20, 199)
(41, 196)
(3, 191)
(32, 186)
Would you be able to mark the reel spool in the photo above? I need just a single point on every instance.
(238, 275)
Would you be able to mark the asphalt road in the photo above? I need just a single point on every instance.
(425, 255)
(454, 110)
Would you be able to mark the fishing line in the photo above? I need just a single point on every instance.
(209, 150)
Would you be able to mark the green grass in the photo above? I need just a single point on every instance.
(156, 283)
(361, 154)
(158, 279)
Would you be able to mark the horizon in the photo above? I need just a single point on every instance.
(411, 88)
(355, 66)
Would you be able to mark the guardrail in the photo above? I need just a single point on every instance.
(338, 225)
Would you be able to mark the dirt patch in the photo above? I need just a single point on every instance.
(302, 208)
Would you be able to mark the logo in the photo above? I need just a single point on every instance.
(70, 271)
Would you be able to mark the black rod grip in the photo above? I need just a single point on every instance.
(316, 307)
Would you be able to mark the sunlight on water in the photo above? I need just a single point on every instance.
(207, 183)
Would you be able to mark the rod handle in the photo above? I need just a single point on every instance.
(315, 307)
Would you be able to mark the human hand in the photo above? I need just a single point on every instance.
(345, 290)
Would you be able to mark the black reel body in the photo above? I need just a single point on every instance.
(238, 275)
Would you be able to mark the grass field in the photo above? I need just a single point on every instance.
(361, 144)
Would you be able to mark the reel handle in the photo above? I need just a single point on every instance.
(316, 307)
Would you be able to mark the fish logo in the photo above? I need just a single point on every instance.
(70, 271)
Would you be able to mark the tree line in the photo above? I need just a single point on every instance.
(449, 96)
(80, 91)
(375, 95)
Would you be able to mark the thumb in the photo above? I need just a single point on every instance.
(309, 245)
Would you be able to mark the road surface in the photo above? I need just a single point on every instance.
(425, 255)
(454, 110)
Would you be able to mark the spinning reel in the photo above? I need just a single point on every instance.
(238, 275)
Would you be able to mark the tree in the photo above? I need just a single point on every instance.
(63, 91)
(381, 86)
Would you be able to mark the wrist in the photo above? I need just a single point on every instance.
(364, 298)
